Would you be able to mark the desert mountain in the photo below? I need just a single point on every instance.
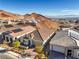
(9, 16)
(41, 20)
(4, 15)
(44, 25)
(35, 16)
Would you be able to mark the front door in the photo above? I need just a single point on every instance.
(69, 53)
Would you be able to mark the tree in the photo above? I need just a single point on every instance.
(16, 44)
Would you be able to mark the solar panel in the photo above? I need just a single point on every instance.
(17, 30)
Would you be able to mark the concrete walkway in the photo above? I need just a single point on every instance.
(4, 56)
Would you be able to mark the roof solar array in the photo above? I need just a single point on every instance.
(17, 30)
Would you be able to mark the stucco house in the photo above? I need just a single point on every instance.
(22, 33)
(62, 43)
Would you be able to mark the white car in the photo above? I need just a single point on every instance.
(2, 49)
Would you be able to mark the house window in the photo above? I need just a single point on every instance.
(11, 40)
(7, 39)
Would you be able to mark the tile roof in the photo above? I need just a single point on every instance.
(4, 29)
(26, 30)
(44, 30)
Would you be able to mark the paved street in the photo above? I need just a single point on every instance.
(55, 55)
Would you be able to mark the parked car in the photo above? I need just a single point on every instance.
(3, 49)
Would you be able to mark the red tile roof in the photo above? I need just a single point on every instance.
(26, 30)
(46, 28)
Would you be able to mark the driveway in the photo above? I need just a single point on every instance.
(57, 55)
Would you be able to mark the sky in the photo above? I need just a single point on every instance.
(45, 7)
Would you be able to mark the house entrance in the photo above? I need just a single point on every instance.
(69, 53)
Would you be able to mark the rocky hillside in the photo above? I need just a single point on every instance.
(41, 19)
(35, 16)
(4, 15)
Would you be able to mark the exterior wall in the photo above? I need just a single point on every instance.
(12, 22)
(65, 28)
(73, 34)
(1, 38)
(3, 22)
(21, 38)
(76, 53)
(37, 36)
(57, 48)
(8, 36)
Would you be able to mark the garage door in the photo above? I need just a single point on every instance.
(59, 49)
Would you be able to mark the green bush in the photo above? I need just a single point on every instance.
(16, 44)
